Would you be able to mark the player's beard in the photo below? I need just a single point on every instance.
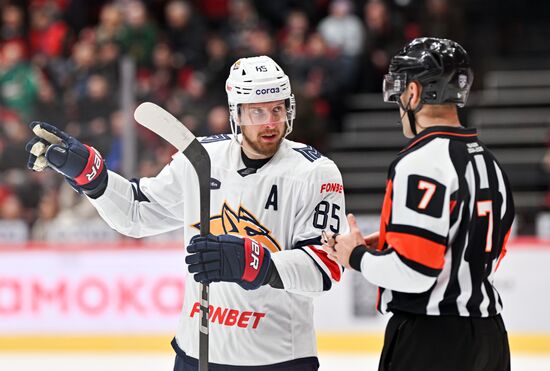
(264, 142)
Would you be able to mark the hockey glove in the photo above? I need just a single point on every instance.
(82, 165)
(228, 258)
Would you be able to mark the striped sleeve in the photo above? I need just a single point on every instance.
(415, 221)
(330, 270)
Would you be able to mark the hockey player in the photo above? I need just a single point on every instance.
(445, 220)
(270, 200)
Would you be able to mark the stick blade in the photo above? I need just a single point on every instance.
(164, 124)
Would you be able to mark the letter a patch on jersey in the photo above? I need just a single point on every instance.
(272, 198)
(425, 195)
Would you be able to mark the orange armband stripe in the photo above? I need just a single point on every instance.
(417, 249)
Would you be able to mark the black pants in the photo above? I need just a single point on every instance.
(185, 363)
(445, 343)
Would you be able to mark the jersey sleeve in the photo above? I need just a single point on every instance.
(415, 222)
(147, 206)
(306, 268)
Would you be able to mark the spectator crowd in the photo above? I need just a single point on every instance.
(60, 63)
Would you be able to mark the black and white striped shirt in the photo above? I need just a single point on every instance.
(446, 216)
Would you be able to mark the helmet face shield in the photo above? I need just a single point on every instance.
(393, 86)
(263, 114)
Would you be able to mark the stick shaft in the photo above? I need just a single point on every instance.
(201, 162)
(164, 124)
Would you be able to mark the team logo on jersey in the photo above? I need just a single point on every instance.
(309, 152)
(241, 223)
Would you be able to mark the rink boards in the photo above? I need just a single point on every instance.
(127, 297)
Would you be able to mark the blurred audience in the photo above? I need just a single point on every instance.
(60, 63)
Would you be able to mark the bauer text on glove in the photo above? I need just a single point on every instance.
(82, 165)
(228, 258)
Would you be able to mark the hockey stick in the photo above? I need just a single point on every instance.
(174, 132)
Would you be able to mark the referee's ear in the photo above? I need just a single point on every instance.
(415, 91)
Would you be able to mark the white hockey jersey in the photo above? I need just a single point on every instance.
(284, 205)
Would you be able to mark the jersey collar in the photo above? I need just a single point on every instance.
(254, 163)
(240, 163)
(456, 132)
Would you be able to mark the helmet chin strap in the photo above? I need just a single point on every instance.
(410, 114)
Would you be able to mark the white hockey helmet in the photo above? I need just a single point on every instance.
(258, 80)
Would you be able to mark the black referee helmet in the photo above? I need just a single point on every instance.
(441, 66)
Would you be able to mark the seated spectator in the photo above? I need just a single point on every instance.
(11, 207)
(323, 81)
(107, 64)
(16, 134)
(49, 35)
(190, 102)
(217, 121)
(215, 11)
(242, 19)
(18, 79)
(73, 78)
(261, 43)
(157, 84)
(110, 26)
(215, 70)
(296, 27)
(48, 208)
(94, 111)
(139, 33)
(441, 18)
(13, 24)
(48, 106)
(383, 37)
(24, 195)
(343, 32)
(185, 34)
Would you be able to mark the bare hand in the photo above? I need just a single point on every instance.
(339, 246)
(372, 240)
